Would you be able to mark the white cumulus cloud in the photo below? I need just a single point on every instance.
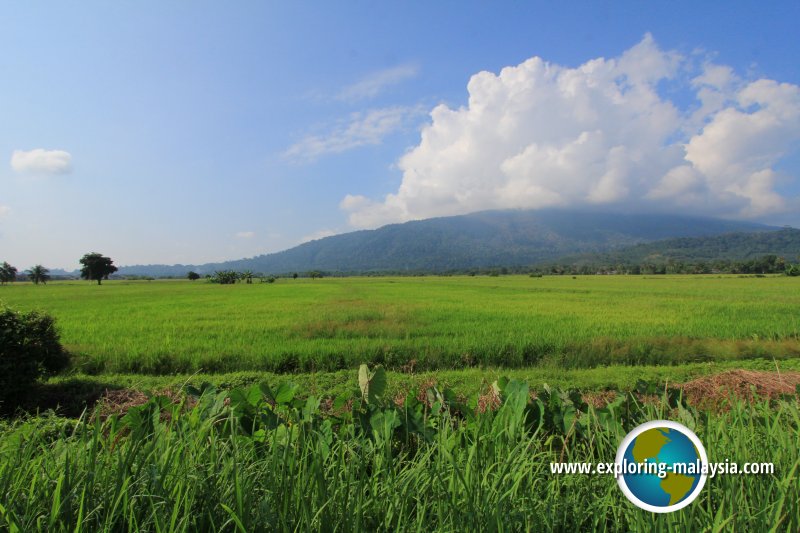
(373, 84)
(41, 161)
(602, 133)
(361, 129)
(245, 234)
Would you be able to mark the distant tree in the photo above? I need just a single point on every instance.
(294, 276)
(314, 274)
(8, 273)
(224, 277)
(793, 270)
(247, 276)
(192, 275)
(97, 267)
(39, 274)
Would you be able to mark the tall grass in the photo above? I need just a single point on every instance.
(440, 323)
(262, 460)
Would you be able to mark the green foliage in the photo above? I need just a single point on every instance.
(224, 277)
(29, 349)
(134, 277)
(440, 323)
(74, 391)
(372, 384)
(735, 253)
(8, 273)
(230, 277)
(258, 458)
(793, 270)
(38, 274)
(192, 275)
(96, 267)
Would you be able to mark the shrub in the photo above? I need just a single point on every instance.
(29, 349)
(224, 277)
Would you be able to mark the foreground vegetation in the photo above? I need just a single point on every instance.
(69, 394)
(430, 323)
(262, 458)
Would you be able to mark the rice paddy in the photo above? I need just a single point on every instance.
(430, 323)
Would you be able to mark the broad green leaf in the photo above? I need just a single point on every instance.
(285, 392)
(372, 384)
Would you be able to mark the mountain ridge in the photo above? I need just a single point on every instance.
(783, 242)
(510, 238)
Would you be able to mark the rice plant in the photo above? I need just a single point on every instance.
(438, 322)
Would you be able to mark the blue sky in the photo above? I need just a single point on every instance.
(193, 132)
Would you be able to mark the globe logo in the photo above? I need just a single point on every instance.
(662, 466)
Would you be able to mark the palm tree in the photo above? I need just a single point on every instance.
(39, 274)
(7, 273)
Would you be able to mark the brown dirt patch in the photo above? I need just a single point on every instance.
(600, 399)
(118, 402)
(720, 389)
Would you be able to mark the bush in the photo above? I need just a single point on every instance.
(224, 277)
(29, 349)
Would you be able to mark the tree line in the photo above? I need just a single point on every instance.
(229, 277)
(97, 267)
(767, 264)
(37, 274)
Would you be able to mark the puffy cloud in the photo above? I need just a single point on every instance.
(539, 134)
(245, 234)
(362, 128)
(4, 211)
(373, 84)
(737, 149)
(41, 161)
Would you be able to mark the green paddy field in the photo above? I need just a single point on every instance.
(418, 323)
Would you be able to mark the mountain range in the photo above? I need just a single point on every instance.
(509, 238)
(726, 247)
